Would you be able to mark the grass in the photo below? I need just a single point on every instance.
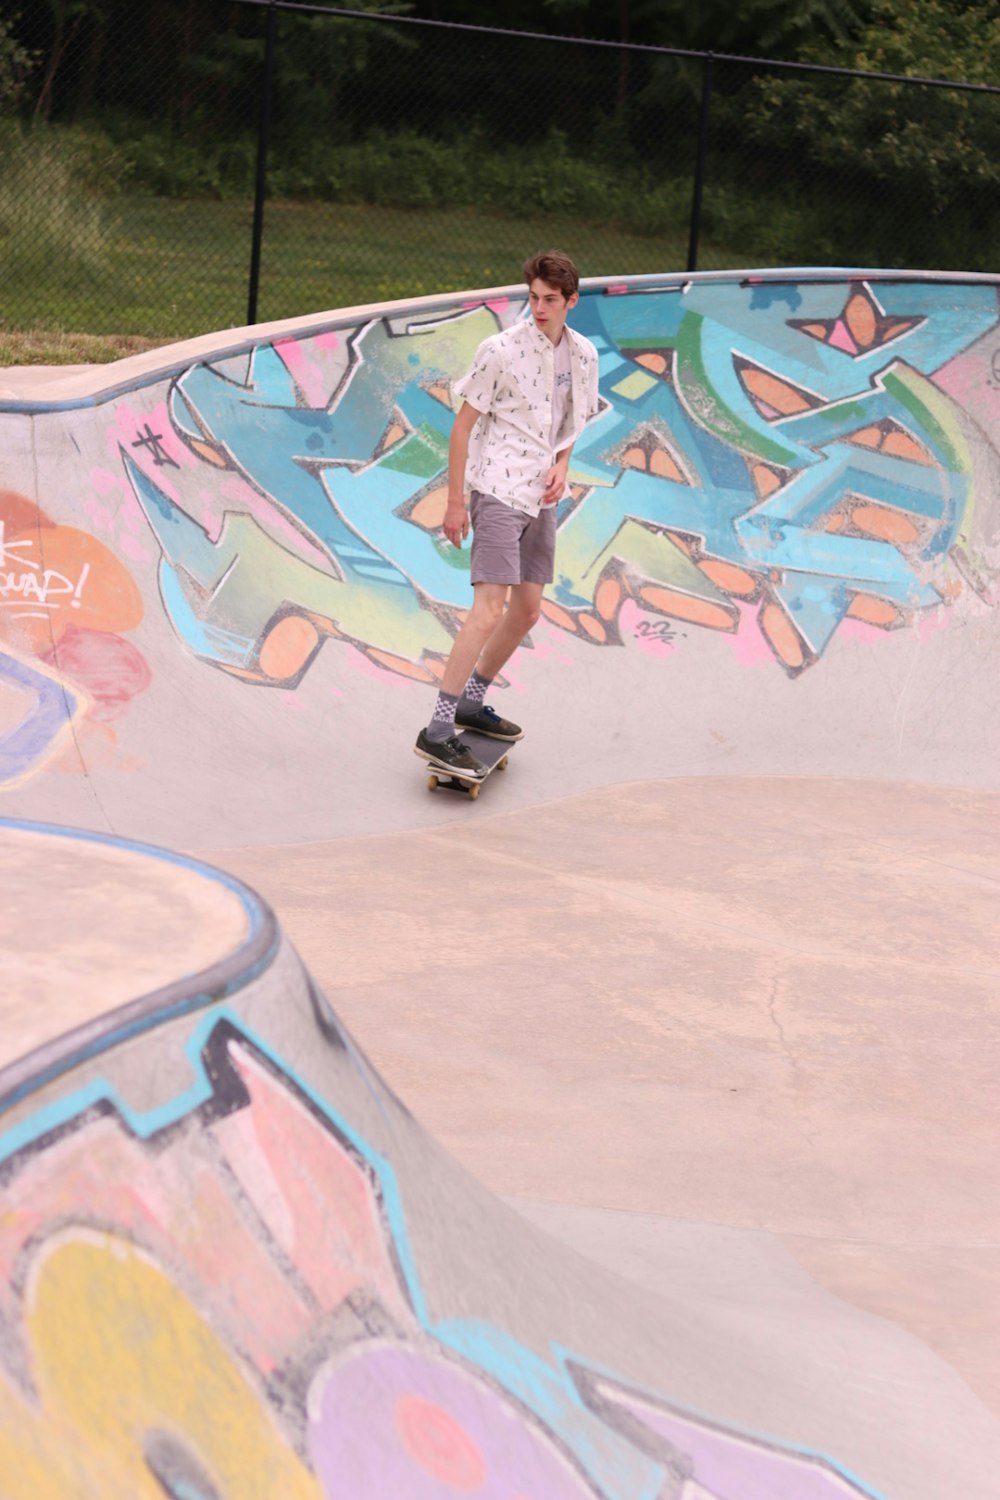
(48, 348)
(159, 270)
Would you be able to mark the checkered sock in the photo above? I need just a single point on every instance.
(475, 691)
(442, 725)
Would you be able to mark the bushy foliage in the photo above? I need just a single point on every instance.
(171, 166)
(407, 170)
(933, 143)
(59, 224)
(776, 27)
(17, 63)
(777, 195)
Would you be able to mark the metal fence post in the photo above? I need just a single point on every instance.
(699, 169)
(264, 130)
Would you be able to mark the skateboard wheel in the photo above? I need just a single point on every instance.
(502, 764)
(432, 783)
(474, 790)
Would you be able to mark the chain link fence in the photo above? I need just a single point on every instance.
(168, 170)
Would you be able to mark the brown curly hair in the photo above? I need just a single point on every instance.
(555, 268)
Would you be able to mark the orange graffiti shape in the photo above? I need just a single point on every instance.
(53, 576)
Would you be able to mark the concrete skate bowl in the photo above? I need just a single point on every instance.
(296, 1184)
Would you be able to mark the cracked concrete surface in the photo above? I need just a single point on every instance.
(770, 1010)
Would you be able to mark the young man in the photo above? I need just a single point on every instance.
(527, 398)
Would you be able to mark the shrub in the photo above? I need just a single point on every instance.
(17, 63)
(51, 213)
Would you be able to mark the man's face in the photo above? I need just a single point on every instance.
(549, 308)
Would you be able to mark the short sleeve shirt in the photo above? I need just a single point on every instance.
(562, 393)
(512, 384)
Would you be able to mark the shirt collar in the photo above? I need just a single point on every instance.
(542, 340)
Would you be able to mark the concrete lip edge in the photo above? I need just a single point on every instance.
(39, 1066)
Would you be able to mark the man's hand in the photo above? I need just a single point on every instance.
(456, 514)
(456, 521)
(555, 481)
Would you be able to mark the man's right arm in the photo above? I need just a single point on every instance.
(456, 516)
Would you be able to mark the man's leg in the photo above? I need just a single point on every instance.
(489, 636)
(472, 712)
(536, 567)
(536, 545)
(522, 614)
(482, 621)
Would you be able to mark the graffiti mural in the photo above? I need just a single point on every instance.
(66, 667)
(780, 458)
(776, 464)
(221, 1301)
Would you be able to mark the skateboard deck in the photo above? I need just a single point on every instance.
(492, 753)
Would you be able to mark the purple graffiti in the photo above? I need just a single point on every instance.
(395, 1421)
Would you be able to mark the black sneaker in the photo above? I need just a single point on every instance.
(451, 754)
(487, 721)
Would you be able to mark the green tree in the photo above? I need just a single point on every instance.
(319, 55)
(17, 63)
(957, 39)
(772, 27)
(69, 19)
(936, 141)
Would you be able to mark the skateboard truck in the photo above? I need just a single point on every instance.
(493, 754)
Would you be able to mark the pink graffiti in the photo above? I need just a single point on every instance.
(111, 669)
(652, 638)
(749, 645)
(307, 373)
(186, 1204)
(129, 429)
(270, 1221)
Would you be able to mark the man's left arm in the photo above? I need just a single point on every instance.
(555, 479)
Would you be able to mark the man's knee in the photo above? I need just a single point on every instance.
(526, 617)
(526, 611)
(487, 609)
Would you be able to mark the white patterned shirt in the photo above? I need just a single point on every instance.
(512, 384)
(562, 393)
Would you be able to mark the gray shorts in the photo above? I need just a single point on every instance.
(509, 546)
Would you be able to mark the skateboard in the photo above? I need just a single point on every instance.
(492, 753)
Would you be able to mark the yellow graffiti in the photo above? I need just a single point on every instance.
(128, 1375)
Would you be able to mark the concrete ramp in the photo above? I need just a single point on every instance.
(672, 1171)
(235, 1265)
(227, 598)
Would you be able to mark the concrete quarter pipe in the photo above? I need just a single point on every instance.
(704, 988)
